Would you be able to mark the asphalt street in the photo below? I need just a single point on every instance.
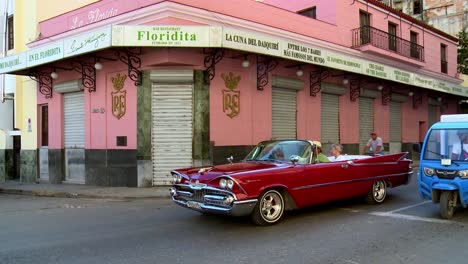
(404, 229)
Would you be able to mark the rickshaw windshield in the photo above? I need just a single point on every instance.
(447, 144)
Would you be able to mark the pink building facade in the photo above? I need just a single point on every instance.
(128, 90)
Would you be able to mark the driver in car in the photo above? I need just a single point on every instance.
(460, 150)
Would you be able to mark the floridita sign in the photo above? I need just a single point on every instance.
(217, 37)
(163, 36)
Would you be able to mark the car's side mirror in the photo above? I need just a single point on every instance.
(294, 159)
(417, 148)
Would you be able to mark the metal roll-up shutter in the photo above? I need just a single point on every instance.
(395, 127)
(432, 114)
(330, 126)
(366, 120)
(172, 129)
(74, 122)
(284, 107)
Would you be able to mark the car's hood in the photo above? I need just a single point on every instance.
(204, 174)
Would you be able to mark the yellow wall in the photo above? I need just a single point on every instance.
(51, 8)
(26, 89)
(27, 13)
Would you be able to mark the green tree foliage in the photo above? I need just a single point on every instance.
(463, 51)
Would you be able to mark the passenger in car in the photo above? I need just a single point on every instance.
(336, 150)
(319, 156)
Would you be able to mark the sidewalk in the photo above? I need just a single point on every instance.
(83, 191)
(86, 191)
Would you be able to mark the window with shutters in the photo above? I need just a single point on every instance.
(392, 36)
(364, 23)
(10, 33)
(443, 58)
(414, 52)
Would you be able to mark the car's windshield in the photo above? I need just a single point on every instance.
(281, 151)
(447, 144)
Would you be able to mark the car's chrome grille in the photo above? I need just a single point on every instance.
(186, 193)
(198, 195)
(446, 174)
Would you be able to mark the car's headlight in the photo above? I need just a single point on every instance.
(176, 178)
(230, 184)
(463, 173)
(429, 171)
(222, 183)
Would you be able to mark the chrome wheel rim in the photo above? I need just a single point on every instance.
(271, 206)
(379, 191)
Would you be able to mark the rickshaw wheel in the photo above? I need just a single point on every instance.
(447, 206)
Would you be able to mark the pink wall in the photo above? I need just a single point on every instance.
(348, 19)
(411, 118)
(349, 119)
(253, 123)
(101, 128)
(326, 9)
(382, 119)
(340, 16)
(55, 111)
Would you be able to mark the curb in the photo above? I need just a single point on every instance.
(60, 194)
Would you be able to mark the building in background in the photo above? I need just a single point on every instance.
(124, 91)
(7, 93)
(19, 111)
(449, 16)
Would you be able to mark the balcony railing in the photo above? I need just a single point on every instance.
(383, 40)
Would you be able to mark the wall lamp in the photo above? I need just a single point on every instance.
(54, 75)
(245, 63)
(98, 66)
(299, 72)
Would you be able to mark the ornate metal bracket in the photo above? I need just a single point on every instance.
(316, 78)
(417, 99)
(44, 80)
(386, 95)
(88, 74)
(129, 56)
(354, 89)
(212, 57)
(263, 68)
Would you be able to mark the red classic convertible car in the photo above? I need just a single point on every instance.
(284, 175)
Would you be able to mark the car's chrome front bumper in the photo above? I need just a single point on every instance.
(211, 200)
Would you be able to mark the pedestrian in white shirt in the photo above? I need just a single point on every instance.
(374, 146)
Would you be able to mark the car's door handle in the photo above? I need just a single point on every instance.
(344, 166)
